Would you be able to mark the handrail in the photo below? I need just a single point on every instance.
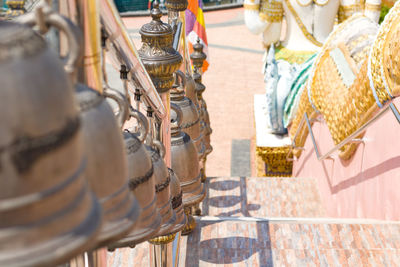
(123, 51)
(352, 136)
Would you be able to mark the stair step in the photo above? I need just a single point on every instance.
(276, 242)
(262, 197)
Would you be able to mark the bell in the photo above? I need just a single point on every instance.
(107, 171)
(190, 118)
(200, 88)
(142, 185)
(162, 187)
(47, 213)
(177, 204)
(176, 5)
(184, 162)
(159, 57)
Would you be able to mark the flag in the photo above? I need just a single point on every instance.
(196, 28)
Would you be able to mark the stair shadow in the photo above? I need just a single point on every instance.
(228, 200)
(229, 250)
(232, 249)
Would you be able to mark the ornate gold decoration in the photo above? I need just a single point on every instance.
(255, 7)
(303, 28)
(308, 2)
(271, 11)
(373, 7)
(162, 240)
(276, 164)
(346, 11)
(292, 56)
(191, 223)
(16, 8)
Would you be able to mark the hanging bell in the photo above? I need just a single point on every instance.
(190, 118)
(47, 213)
(107, 171)
(176, 5)
(205, 117)
(184, 161)
(142, 185)
(160, 59)
(162, 187)
(198, 56)
(177, 204)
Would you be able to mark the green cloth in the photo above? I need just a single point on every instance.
(292, 101)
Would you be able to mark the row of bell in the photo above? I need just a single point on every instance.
(53, 158)
(187, 146)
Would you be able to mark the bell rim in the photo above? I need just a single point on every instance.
(122, 226)
(181, 224)
(45, 256)
(168, 226)
(196, 199)
(133, 240)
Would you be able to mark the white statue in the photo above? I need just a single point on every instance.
(308, 24)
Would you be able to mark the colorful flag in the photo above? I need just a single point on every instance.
(196, 28)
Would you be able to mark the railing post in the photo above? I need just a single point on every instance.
(161, 64)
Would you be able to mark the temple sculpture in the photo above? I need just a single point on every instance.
(293, 35)
(293, 32)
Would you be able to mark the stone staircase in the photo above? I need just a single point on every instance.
(275, 222)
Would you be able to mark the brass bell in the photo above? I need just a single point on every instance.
(47, 213)
(177, 204)
(107, 171)
(159, 57)
(176, 5)
(205, 117)
(184, 161)
(162, 187)
(142, 184)
(190, 119)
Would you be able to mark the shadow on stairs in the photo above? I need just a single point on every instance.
(275, 222)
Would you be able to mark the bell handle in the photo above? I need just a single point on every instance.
(160, 146)
(181, 75)
(122, 102)
(44, 18)
(179, 115)
(143, 123)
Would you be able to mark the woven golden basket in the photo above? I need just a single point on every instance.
(305, 106)
(344, 103)
(384, 60)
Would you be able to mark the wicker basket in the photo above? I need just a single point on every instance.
(384, 60)
(344, 103)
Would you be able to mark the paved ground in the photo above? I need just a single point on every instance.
(234, 76)
(274, 222)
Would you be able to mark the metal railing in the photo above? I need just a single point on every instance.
(349, 139)
(123, 52)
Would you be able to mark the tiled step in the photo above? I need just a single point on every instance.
(283, 242)
(262, 197)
